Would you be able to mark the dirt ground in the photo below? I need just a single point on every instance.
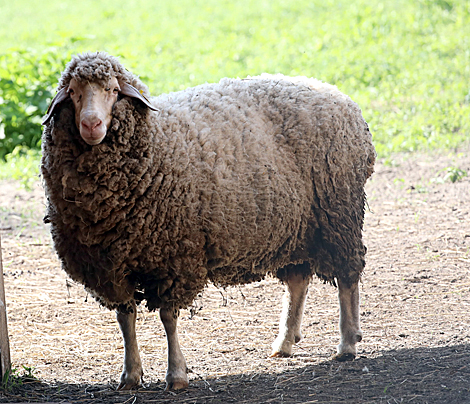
(415, 313)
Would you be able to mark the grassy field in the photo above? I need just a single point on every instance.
(406, 63)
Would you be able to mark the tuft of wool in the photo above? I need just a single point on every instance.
(226, 183)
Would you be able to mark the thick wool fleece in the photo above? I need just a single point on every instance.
(226, 183)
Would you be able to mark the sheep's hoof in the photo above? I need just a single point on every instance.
(280, 354)
(344, 357)
(177, 381)
(130, 382)
(282, 347)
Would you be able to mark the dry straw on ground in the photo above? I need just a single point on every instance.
(415, 305)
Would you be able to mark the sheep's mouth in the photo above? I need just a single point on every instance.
(92, 140)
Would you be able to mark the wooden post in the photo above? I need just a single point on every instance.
(5, 363)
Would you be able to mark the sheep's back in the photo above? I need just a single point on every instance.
(251, 196)
(264, 152)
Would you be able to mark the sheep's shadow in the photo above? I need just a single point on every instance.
(421, 375)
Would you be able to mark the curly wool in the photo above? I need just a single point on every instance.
(98, 67)
(228, 182)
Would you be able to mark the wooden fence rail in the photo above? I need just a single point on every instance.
(4, 341)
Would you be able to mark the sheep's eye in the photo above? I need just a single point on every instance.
(71, 92)
(116, 90)
(107, 89)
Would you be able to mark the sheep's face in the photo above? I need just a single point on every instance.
(93, 105)
(93, 102)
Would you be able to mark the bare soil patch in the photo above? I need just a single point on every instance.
(415, 313)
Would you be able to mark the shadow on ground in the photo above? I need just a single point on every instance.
(422, 375)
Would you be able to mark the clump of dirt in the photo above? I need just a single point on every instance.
(415, 303)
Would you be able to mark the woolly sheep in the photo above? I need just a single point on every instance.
(152, 198)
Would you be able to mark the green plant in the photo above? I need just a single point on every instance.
(449, 174)
(13, 379)
(27, 82)
(454, 174)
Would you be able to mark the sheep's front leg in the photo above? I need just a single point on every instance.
(291, 318)
(176, 375)
(132, 372)
(349, 326)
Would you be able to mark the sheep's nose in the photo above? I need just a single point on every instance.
(91, 124)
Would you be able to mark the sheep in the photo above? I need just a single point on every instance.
(150, 198)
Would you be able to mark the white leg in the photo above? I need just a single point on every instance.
(132, 372)
(291, 317)
(349, 326)
(176, 375)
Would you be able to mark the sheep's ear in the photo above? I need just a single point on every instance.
(59, 97)
(131, 91)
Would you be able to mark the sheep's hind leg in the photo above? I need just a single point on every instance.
(176, 375)
(132, 372)
(291, 318)
(349, 326)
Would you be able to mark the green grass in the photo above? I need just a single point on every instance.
(406, 63)
(12, 379)
(21, 165)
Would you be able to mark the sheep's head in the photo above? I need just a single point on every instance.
(93, 94)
